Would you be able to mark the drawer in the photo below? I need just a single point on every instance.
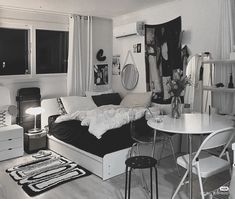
(11, 133)
(11, 143)
(16, 152)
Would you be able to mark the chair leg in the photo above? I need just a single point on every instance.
(180, 184)
(126, 182)
(129, 186)
(200, 179)
(163, 146)
(173, 153)
(156, 181)
(151, 183)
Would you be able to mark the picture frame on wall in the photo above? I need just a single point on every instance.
(116, 69)
(101, 74)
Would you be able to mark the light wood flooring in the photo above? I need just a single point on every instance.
(92, 187)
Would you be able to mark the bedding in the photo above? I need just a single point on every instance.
(104, 118)
(72, 132)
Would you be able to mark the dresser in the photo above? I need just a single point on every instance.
(11, 142)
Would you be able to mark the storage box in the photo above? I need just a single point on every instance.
(35, 141)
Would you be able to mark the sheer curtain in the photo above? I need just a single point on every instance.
(225, 101)
(79, 76)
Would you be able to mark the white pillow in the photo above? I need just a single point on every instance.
(93, 93)
(75, 103)
(137, 100)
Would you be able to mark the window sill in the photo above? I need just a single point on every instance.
(30, 78)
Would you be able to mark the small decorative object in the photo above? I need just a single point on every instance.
(34, 111)
(177, 84)
(230, 84)
(139, 48)
(99, 55)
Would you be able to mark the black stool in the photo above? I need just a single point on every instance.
(140, 162)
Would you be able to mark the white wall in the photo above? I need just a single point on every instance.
(53, 85)
(199, 21)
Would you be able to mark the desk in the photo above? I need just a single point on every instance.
(191, 124)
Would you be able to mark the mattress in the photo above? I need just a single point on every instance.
(71, 132)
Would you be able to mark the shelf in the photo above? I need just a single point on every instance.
(220, 89)
(219, 61)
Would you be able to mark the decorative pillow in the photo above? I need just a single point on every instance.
(105, 99)
(137, 99)
(75, 103)
(61, 108)
(93, 93)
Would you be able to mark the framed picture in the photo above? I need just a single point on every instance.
(116, 65)
(101, 74)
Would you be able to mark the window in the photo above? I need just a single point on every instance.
(13, 51)
(51, 51)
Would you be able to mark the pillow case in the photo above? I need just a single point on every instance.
(137, 100)
(106, 99)
(77, 103)
(93, 93)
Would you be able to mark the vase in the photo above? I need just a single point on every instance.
(175, 107)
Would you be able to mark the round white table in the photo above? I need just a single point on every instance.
(190, 124)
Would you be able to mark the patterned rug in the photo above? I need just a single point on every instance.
(42, 174)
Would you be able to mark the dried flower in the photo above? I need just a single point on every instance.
(178, 83)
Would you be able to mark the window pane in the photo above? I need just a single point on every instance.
(13, 51)
(51, 51)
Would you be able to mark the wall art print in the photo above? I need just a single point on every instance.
(162, 56)
(101, 74)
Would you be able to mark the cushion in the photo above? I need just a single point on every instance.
(92, 93)
(61, 109)
(137, 100)
(77, 103)
(105, 99)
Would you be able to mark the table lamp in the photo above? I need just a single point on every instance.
(34, 111)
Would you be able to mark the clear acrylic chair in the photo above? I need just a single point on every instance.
(205, 164)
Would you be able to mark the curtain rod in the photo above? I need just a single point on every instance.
(39, 11)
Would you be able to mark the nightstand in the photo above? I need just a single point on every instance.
(35, 141)
(11, 142)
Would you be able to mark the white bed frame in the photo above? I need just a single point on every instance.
(110, 165)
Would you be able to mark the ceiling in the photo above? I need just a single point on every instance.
(102, 8)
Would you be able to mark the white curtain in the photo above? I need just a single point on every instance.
(80, 69)
(224, 101)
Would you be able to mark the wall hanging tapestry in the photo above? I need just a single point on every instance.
(40, 175)
(162, 56)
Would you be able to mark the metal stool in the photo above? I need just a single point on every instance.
(140, 162)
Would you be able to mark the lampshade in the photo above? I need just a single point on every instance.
(34, 110)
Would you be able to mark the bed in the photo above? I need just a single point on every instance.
(105, 162)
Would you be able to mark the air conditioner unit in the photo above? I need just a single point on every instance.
(130, 29)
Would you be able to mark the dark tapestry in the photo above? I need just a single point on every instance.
(162, 56)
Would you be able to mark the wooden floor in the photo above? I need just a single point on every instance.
(92, 187)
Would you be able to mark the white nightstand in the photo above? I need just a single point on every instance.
(11, 142)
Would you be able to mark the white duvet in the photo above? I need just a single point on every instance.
(104, 118)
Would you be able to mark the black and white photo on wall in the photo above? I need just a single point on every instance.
(116, 69)
(101, 74)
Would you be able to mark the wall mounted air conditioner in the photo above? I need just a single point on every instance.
(130, 29)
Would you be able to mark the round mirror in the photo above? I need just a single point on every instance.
(130, 76)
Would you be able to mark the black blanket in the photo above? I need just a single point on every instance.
(73, 133)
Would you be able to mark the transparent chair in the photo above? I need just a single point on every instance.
(144, 135)
(205, 164)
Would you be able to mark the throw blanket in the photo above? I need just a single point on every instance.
(104, 118)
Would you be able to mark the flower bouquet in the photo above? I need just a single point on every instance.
(177, 85)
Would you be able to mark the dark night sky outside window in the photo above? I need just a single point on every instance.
(51, 51)
(13, 51)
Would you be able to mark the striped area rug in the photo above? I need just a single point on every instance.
(40, 175)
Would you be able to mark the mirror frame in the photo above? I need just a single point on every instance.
(123, 74)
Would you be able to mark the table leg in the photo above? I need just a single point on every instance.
(190, 166)
(154, 142)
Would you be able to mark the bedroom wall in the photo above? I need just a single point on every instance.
(199, 21)
(54, 85)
